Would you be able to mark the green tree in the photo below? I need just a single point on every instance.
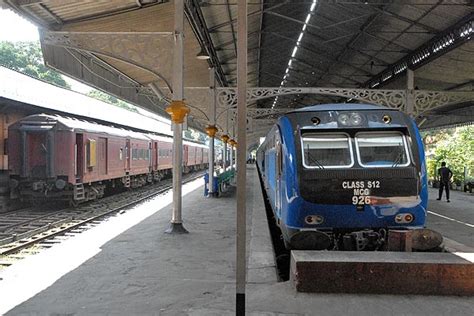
(194, 135)
(26, 57)
(455, 147)
(99, 95)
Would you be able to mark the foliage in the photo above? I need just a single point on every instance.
(99, 95)
(192, 134)
(26, 57)
(455, 147)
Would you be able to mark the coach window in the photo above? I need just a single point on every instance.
(326, 151)
(91, 153)
(386, 149)
(121, 153)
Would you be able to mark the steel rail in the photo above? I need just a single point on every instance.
(34, 239)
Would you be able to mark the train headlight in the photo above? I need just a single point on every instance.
(404, 218)
(314, 219)
(356, 119)
(315, 120)
(344, 119)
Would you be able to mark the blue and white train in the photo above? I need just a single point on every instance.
(340, 176)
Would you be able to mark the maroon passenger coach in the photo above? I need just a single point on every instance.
(65, 158)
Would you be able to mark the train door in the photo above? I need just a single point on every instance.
(155, 155)
(37, 154)
(127, 155)
(79, 157)
(278, 176)
(102, 163)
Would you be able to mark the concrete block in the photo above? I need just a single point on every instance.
(381, 273)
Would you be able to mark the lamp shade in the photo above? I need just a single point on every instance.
(202, 55)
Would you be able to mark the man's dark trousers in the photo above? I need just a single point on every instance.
(445, 185)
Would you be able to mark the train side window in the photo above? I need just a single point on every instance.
(121, 153)
(91, 153)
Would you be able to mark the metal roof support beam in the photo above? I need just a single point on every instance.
(232, 27)
(328, 56)
(404, 19)
(293, 20)
(221, 25)
(446, 41)
(198, 23)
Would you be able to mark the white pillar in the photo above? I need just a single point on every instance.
(241, 260)
(178, 112)
(211, 130)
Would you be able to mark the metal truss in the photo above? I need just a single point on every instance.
(441, 44)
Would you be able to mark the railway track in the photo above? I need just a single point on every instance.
(41, 229)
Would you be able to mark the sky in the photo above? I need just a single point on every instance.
(24, 32)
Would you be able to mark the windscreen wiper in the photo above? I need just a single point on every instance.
(313, 160)
(398, 160)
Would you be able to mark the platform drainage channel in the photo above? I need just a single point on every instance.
(281, 254)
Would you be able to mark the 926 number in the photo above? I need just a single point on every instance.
(360, 200)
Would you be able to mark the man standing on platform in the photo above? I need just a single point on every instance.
(445, 175)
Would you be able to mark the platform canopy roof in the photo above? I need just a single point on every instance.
(122, 46)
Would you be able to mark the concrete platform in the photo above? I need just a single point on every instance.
(146, 272)
(382, 273)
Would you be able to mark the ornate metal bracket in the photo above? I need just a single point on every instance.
(150, 51)
(226, 98)
(430, 100)
(392, 98)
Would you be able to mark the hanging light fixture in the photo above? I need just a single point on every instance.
(202, 54)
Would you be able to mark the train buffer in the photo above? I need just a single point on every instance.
(221, 181)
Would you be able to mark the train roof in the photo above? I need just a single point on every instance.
(75, 125)
(82, 125)
(341, 107)
(25, 89)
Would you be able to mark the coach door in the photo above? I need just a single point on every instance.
(102, 153)
(127, 155)
(155, 155)
(79, 157)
